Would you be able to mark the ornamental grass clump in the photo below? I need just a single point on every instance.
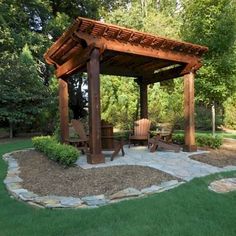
(61, 153)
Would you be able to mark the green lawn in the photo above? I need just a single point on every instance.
(187, 210)
(223, 134)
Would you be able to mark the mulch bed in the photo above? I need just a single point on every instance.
(45, 177)
(225, 156)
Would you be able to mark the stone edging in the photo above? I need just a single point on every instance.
(13, 185)
(223, 185)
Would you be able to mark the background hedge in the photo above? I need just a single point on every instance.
(202, 140)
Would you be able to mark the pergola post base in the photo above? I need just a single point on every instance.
(189, 148)
(95, 158)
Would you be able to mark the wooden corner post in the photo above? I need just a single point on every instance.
(95, 146)
(63, 109)
(189, 126)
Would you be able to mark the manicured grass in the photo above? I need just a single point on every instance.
(223, 134)
(190, 209)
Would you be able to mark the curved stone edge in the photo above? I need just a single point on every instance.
(14, 187)
(223, 185)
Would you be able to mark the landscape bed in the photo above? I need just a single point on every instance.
(46, 177)
(222, 157)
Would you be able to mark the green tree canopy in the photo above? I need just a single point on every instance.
(213, 23)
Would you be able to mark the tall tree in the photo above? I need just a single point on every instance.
(213, 23)
(22, 94)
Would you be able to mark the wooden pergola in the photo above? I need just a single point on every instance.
(99, 48)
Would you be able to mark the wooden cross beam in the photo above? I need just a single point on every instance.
(164, 75)
(75, 62)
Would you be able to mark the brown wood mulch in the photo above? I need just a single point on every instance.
(46, 177)
(224, 156)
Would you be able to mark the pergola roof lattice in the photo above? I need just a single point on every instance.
(125, 52)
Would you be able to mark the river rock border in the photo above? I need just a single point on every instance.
(13, 185)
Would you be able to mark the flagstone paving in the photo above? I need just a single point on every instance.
(177, 164)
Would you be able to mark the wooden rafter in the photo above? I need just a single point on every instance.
(68, 50)
(137, 49)
(75, 62)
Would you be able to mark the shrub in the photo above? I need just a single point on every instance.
(62, 153)
(209, 141)
(202, 140)
(178, 138)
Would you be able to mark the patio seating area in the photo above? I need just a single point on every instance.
(177, 164)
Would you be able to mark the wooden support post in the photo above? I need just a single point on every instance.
(143, 100)
(63, 108)
(95, 147)
(189, 127)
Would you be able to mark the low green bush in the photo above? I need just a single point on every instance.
(209, 141)
(202, 140)
(178, 138)
(62, 153)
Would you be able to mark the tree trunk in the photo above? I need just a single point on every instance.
(213, 112)
(11, 129)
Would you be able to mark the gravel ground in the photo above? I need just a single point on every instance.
(225, 156)
(45, 177)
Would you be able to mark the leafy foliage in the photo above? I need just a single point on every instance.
(119, 100)
(166, 106)
(209, 141)
(61, 153)
(202, 140)
(230, 112)
(22, 92)
(206, 22)
(34, 25)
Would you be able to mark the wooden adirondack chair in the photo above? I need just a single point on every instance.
(141, 131)
(108, 140)
(157, 142)
(162, 138)
(81, 142)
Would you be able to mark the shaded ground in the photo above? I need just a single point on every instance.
(4, 139)
(225, 156)
(45, 177)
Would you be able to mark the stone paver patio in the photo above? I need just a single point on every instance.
(177, 164)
